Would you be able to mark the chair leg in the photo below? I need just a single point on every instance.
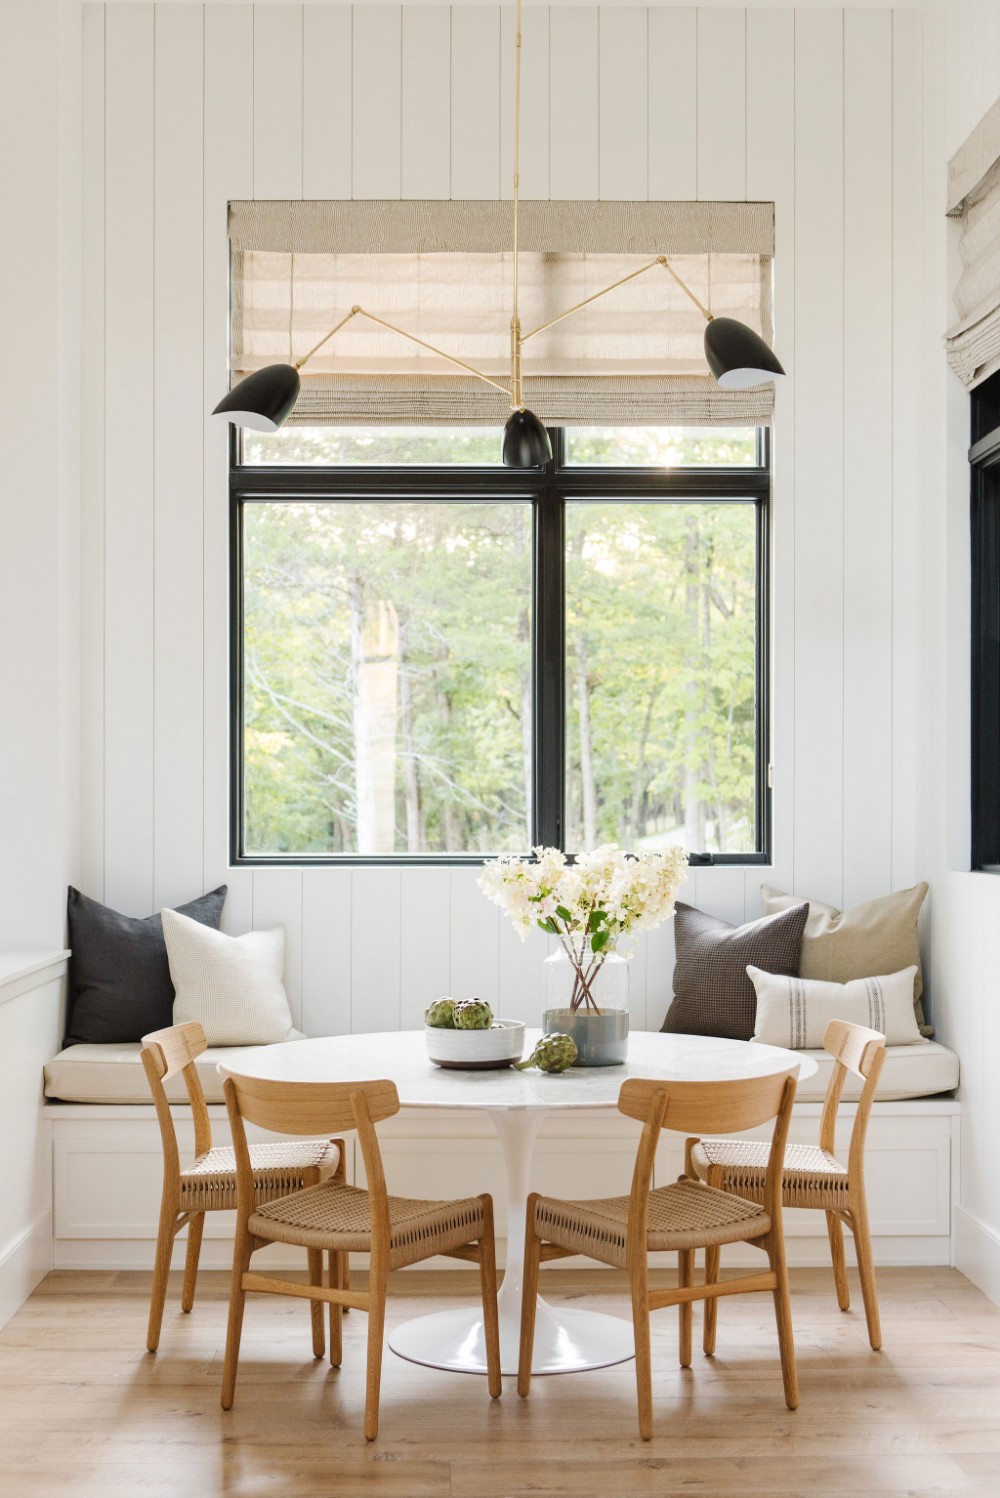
(836, 1235)
(712, 1259)
(195, 1229)
(685, 1266)
(488, 1286)
(529, 1298)
(643, 1357)
(336, 1312)
(242, 1250)
(345, 1277)
(866, 1271)
(315, 1258)
(377, 1278)
(783, 1317)
(161, 1271)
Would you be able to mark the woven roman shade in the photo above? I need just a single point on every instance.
(973, 344)
(443, 271)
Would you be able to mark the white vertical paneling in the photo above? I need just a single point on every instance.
(819, 464)
(327, 96)
(475, 937)
(425, 942)
(425, 109)
(376, 951)
(376, 128)
(638, 973)
(277, 101)
(228, 173)
(721, 104)
(475, 102)
(326, 951)
(867, 454)
(128, 595)
(906, 466)
(721, 892)
(178, 458)
(534, 101)
(92, 461)
(659, 974)
(277, 901)
(771, 178)
(623, 116)
(673, 103)
(574, 103)
(520, 983)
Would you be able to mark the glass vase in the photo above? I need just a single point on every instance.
(598, 1024)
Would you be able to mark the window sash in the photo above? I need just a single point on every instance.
(549, 491)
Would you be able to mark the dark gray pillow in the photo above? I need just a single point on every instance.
(119, 977)
(712, 993)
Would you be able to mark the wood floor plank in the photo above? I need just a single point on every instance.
(85, 1412)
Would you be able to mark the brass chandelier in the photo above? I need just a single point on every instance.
(736, 355)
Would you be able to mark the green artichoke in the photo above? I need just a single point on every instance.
(553, 1053)
(441, 1014)
(472, 1014)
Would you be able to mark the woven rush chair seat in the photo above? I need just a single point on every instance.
(681, 1216)
(209, 1185)
(339, 1216)
(811, 1177)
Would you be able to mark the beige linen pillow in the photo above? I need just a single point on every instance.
(230, 984)
(877, 936)
(795, 1012)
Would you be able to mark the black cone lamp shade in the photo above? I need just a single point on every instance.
(263, 400)
(737, 356)
(525, 441)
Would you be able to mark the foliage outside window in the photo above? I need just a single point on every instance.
(406, 688)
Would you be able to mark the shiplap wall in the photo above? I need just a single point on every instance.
(817, 109)
(961, 81)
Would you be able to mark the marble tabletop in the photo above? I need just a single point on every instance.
(402, 1056)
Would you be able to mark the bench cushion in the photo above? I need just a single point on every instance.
(114, 1074)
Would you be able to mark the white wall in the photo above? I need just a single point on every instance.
(961, 81)
(186, 106)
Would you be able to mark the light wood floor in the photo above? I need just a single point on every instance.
(85, 1412)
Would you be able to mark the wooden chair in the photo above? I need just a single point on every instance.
(209, 1185)
(623, 1231)
(393, 1230)
(812, 1177)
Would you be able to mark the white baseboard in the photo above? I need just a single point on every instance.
(24, 1264)
(216, 1253)
(977, 1252)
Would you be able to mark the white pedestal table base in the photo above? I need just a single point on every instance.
(566, 1341)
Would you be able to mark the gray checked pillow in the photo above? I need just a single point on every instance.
(713, 995)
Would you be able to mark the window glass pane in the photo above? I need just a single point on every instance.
(660, 675)
(352, 447)
(662, 447)
(387, 681)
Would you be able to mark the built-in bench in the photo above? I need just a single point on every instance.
(106, 1158)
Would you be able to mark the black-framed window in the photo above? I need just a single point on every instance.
(437, 659)
(984, 457)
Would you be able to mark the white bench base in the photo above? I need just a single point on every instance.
(106, 1163)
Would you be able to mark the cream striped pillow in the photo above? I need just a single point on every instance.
(230, 984)
(795, 1012)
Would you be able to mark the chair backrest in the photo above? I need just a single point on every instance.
(856, 1049)
(164, 1054)
(709, 1108)
(309, 1108)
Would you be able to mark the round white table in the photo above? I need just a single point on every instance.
(566, 1340)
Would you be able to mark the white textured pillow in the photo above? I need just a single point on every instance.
(230, 984)
(795, 1012)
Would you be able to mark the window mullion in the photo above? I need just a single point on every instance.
(549, 637)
